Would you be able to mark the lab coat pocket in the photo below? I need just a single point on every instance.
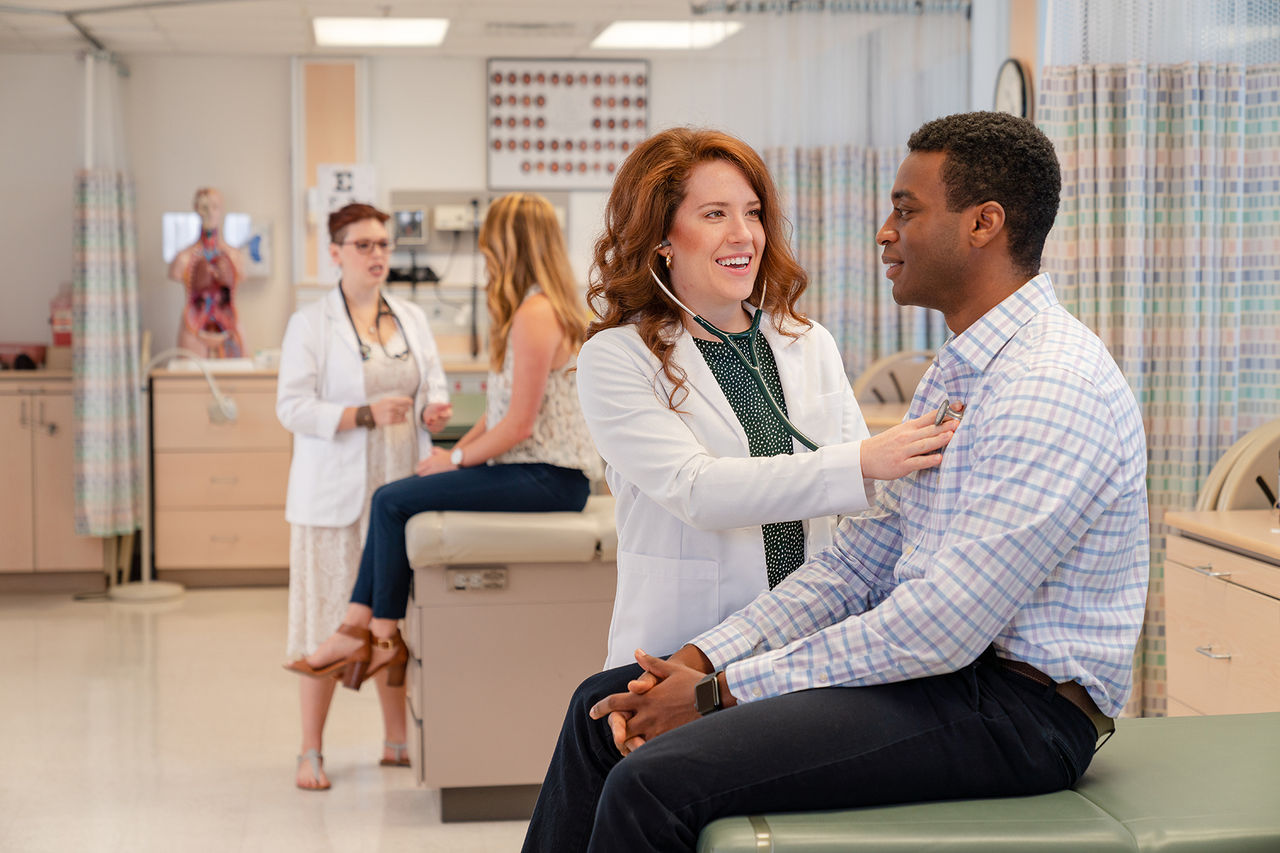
(822, 418)
(661, 603)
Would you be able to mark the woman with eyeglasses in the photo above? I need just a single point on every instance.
(360, 387)
(529, 452)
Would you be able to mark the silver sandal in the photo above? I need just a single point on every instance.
(317, 763)
(401, 751)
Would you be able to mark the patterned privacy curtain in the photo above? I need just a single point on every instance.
(1168, 244)
(838, 198)
(106, 318)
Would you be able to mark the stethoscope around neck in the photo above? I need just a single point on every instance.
(749, 359)
(384, 310)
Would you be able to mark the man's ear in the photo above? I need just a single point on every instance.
(988, 221)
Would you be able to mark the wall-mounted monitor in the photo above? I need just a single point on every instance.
(239, 230)
(181, 229)
(409, 226)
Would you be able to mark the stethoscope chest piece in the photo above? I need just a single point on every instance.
(945, 411)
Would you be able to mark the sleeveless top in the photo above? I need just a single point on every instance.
(560, 434)
(783, 540)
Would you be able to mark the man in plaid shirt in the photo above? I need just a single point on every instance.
(972, 634)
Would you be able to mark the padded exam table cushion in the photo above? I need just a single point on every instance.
(1175, 785)
(456, 537)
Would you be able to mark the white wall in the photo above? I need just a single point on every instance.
(226, 122)
(39, 138)
(427, 132)
(221, 122)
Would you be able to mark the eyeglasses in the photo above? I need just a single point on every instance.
(366, 247)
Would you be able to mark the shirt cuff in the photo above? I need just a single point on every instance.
(328, 416)
(842, 477)
(752, 679)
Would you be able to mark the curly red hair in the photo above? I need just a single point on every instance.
(642, 206)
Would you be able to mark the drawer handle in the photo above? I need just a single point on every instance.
(228, 539)
(231, 481)
(1207, 571)
(1208, 652)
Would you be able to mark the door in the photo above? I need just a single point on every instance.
(16, 547)
(57, 547)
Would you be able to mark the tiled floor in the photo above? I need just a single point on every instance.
(172, 727)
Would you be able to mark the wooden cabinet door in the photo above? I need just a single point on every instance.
(16, 546)
(57, 547)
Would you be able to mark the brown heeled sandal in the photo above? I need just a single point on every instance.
(395, 665)
(351, 669)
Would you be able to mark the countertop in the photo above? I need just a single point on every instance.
(1251, 531)
(10, 378)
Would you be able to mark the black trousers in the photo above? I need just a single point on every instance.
(980, 732)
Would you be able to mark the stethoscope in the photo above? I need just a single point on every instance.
(384, 310)
(750, 359)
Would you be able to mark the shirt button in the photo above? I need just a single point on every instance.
(755, 691)
(822, 679)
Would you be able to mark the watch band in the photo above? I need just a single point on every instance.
(364, 417)
(706, 694)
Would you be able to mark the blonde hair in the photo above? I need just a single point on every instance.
(523, 246)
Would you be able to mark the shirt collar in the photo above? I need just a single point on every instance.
(977, 345)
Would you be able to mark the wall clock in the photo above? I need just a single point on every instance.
(1013, 89)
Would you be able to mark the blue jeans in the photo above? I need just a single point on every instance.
(383, 581)
(982, 731)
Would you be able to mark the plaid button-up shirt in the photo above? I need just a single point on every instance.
(1032, 535)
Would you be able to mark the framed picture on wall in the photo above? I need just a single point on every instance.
(563, 124)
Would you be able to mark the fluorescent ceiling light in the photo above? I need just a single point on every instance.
(380, 32)
(662, 35)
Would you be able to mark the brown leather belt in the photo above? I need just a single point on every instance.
(1072, 691)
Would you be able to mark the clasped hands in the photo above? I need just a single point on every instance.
(395, 410)
(660, 700)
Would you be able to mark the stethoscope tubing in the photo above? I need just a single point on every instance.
(752, 363)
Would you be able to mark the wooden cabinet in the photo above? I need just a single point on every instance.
(219, 486)
(37, 459)
(1222, 613)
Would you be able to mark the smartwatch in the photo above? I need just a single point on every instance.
(456, 457)
(706, 694)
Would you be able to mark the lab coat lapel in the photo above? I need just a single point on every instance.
(702, 385)
(410, 329)
(339, 324)
(790, 369)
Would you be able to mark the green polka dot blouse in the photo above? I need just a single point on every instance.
(784, 540)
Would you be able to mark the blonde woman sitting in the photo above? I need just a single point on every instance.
(530, 452)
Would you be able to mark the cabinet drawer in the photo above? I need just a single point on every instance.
(1241, 570)
(1221, 642)
(181, 422)
(221, 539)
(232, 480)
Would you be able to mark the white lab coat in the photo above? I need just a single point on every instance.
(321, 374)
(690, 499)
